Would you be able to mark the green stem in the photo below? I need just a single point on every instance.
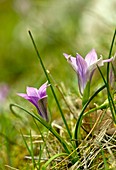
(30, 149)
(104, 158)
(46, 74)
(47, 125)
(78, 124)
(96, 108)
(42, 136)
(110, 52)
(103, 106)
(111, 103)
(52, 158)
(110, 99)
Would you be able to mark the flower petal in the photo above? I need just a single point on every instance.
(82, 81)
(108, 60)
(42, 105)
(31, 91)
(81, 65)
(66, 55)
(71, 60)
(25, 96)
(91, 57)
(32, 99)
(42, 90)
(81, 72)
(93, 66)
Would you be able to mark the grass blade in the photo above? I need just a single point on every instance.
(30, 151)
(47, 125)
(110, 52)
(78, 124)
(51, 159)
(46, 74)
(110, 99)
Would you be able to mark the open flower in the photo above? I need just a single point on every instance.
(38, 98)
(85, 67)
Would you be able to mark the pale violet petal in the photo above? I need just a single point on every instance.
(42, 90)
(32, 99)
(81, 72)
(71, 60)
(25, 96)
(31, 91)
(99, 62)
(82, 83)
(108, 60)
(91, 57)
(66, 55)
(81, 65)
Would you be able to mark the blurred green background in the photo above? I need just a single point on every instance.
(58, 26)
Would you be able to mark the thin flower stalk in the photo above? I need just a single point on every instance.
(45, 124)
(112, 74)
(110, 99)
(110, 52)
(55, 97)
(78, 123)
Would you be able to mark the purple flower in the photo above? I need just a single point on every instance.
(38, 98)
(4, 90)
(85, 67)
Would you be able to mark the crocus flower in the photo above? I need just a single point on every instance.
(38, 98)
(85, 67)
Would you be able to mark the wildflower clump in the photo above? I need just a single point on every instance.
(78, 151)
